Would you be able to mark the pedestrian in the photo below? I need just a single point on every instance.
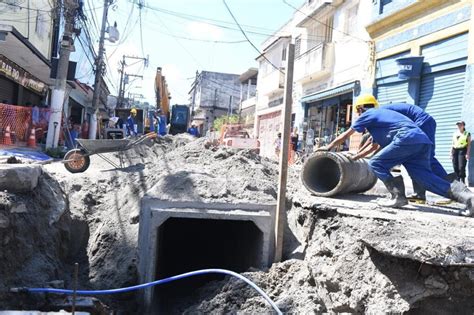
(278, 145)
(460, 150)
(309, 140)
(294, 140)
(131, 122)
(402, 142)
(428, 125)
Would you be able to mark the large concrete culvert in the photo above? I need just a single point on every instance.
(328, 174)
(178, 237)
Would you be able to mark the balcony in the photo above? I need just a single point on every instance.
(314, 64)
(272, 82)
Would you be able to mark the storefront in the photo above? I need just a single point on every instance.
(19, 87)
(439, 89)
(329, 112)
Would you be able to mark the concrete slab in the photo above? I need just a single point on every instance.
(19, 177)
(156, 215)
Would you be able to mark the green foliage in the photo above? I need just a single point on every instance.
(218, 122)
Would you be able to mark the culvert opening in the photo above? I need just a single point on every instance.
(190, 244)
(321, 174)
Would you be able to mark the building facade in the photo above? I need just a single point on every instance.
(332, 58)
(212, 95)
(248, 98)
(25, 51)
(436, 35)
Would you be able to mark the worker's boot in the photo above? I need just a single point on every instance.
(419, 194)
(459, 192)
(396, 187)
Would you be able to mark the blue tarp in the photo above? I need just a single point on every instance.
(25, 153)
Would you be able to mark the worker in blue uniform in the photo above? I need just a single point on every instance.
(426, 123)
(131, 122)
(402, 142)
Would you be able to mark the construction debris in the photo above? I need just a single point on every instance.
(341, 255)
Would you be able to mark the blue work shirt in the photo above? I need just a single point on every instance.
(415, 113)
(131, 125)
(387, 126)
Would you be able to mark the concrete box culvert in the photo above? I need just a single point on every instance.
(177, 237)
(328, 174)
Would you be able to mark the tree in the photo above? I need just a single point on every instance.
(219, 122)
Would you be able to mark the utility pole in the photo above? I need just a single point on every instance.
(280, 218)
(99, 69)
(59, 92)
(123, 82)
(120, 94)
(194, 94)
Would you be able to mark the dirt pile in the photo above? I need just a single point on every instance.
(359, 265)
(104, 202)
(34, 238)
(342, 255)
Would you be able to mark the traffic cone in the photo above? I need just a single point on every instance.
(32, 139)
(7, 139)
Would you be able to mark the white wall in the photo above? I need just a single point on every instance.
(34, 23)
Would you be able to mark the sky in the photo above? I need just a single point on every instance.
(183, 36)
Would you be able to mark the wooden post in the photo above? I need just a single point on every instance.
(280, 216)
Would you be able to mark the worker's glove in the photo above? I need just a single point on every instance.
(322, 149)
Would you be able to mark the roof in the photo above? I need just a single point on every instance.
(250, 73)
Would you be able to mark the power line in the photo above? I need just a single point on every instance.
(140, 6)
(200, 39)
(246, 37)
(179, 43)
(26, 8)
(214, 22)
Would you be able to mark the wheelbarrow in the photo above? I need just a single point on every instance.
(78, 160)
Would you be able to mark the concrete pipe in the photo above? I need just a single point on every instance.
(328, 174)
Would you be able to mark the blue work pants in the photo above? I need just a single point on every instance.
(429, 128)
(416, 159)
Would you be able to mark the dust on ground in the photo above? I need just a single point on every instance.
(341, 255)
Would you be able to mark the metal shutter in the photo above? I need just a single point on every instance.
(441, 95)
(396, 92)
(7, 90)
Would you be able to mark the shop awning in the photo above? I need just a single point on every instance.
(346, 88)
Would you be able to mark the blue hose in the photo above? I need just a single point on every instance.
(158, 282)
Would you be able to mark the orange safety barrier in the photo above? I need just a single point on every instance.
(19, 123)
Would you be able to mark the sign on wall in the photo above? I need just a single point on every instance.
(15, 73)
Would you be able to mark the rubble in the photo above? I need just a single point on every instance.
(340, 255)
(18, 177)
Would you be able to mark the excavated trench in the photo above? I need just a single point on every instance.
(186, 245)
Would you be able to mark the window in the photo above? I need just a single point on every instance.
(384, 3)
(283, 54)
(297, 46)
(320, 32)
(351, 20)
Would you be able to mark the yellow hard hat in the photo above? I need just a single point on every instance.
(366, 99)
(133, 111)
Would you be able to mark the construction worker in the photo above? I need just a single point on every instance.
(460, 150)
(428, 125)
(131, 122)
(402, 142)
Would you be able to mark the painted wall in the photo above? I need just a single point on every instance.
(215, 89)
(30, 18)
